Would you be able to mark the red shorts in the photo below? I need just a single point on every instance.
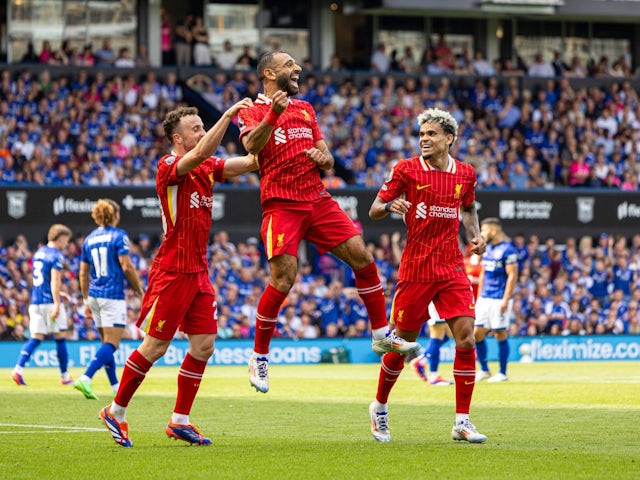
(452, 298)
(173, 301)
(285, 223)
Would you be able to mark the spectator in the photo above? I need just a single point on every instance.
(540, 67)
(226, 59)
(124, 59)
(105, 56)
(182, 41)
(380, 61)
(201, 50)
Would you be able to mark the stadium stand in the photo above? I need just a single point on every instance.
(88, 126)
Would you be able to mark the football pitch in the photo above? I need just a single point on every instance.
(550, 421)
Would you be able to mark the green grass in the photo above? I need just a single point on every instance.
(550, 421)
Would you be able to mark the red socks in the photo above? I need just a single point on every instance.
(133, 374)
(464, 374)
(267, 318)
(371, 292)
(189, 378)
(390, 369)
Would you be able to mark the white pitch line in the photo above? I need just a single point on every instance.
(51, 428)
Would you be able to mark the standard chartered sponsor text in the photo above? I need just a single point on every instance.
(585, 350)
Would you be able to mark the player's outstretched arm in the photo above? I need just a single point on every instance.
(238, 165)
(259, 136)
(211, 141)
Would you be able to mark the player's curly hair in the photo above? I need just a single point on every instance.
(106, 212)
(172, 120)
(442, 117)
(58, 230)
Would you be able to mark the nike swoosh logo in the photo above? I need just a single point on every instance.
(422, 187)
(264, 328)
(469, 383)
(472, 307)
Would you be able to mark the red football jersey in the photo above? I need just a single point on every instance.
(432, 253)
(186, 204)
(285, 170)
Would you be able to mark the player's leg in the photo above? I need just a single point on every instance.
(189, 379)
(354, 253)
(456, 303)
(503, 356)
(481, 327)
(59, 329)
(282, 229)
(201, 325)
(407, 313)
(109, 316)
(500, 326)
(160, 316)
(38, 326)
(38, 331)
(437, 338)
(283, 273)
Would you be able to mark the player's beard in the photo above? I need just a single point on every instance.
(284, 84)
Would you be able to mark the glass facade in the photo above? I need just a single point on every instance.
(81, 22)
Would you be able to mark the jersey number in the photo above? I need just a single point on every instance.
(38, 278)
(99, 257)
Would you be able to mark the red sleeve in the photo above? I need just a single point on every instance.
(394, 186)
(215, 166)
(167, 173)
(317, 134)
(470, 195)
(247, 120)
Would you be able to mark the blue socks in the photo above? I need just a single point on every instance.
(433, 353)
(503, 355)
(481, 352)
(27, 350)
(63, 355)
(103, 356)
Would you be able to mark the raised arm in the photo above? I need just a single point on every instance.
(259, 136)
(210, 142)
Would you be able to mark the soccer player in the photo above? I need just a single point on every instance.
(104, 265)
(180, 294)
(47, 313)
(434, 192)
(285, 134)
(495, 303)
(439, 334)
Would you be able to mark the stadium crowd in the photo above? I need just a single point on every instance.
(582, 287)
(104, 129)
(98, 128)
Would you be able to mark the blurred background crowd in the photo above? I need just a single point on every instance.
(103, 127)
(585, 286)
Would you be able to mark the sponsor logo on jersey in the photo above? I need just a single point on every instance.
(279, 136)
(196, 201)
(436, 211)
(422, 187)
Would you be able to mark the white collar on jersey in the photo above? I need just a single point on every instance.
(262, 98)
(451, 166)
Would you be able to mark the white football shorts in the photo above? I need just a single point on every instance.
(108, 312)
(488, 314)
(40, 320)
